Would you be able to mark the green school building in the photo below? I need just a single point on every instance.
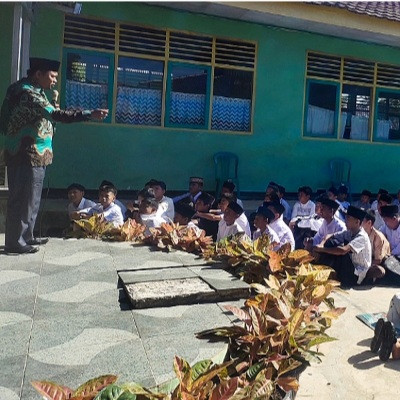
(285, 86)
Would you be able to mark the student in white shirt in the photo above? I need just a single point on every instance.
(349, 253)
(183, 216)
(116, 201)
(262, 220)
(77, 201)
(374, 205)
(384, 200)
(110, 211)
(365, 199)
(165, 204)
(287, 215)
(278, 225)
(330, 223)
(304, 207)
(148, 215)
(228, 225)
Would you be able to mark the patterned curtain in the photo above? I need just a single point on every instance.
(187, 108)
(138, 106)
(85, 95)
(231, 114)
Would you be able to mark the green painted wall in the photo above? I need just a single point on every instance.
(6, 21)
(129, 156)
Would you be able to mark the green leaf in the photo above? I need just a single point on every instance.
(199, 369)
(115, 392)
(51, 391)
(253, 371)
(319, 339)
(93, 386)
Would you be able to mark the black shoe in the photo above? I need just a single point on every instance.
(22, 250)
(37, 241)
(388, 340)
(376, 341)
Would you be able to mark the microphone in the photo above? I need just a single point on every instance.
(54, 99)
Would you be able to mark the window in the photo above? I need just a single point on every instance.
(139, 91)
(164, 78)
(88, 83)
(339, 99)
(187, 104)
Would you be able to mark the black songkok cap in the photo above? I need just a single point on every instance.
(389, 211)
(381, 191)
(43, 64)
(235, 207)
(266, 212)
(185, 210)
(356, 213)
(329, 203)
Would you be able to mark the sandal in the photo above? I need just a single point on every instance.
(388, 340)
(376, 341)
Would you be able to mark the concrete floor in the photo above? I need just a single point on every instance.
(64, 317)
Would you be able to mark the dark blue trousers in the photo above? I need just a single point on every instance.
(25, 185)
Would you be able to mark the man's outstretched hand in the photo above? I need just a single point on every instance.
(99, 114)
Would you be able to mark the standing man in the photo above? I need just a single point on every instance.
(26, 129)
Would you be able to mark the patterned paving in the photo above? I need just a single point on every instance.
(63, 317)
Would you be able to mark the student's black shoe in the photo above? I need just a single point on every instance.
(22, 250)
(38, 241)
(388, 340)
(377, 339)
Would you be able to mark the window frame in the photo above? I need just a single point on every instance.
(337, 108)
(168, 91)
(110, 89)
(378, 90)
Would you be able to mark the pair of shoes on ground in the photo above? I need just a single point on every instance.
(384, 339)
(29, 248)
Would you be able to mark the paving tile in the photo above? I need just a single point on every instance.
(14, 334)
(11, 377)
(187, 319)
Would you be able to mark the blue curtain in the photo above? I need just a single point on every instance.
(231, 114)
(82, 96)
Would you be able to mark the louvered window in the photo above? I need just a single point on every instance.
(358, 71)
(163, 76)
(84, 32)
(323, 66)
(388, 75)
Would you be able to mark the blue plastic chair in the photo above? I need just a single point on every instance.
(226, 168)
(340, 170)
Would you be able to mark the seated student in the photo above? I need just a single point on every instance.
(229, 187)
(148, 215)
(287, 215)
(303, 209)
(343, 192)
(379, 245)
(77, 200)
(111, 212)
(195, 189)
(262, 220)
(374, 205)
(391, 230)
(228, 225)
(330, 223)
(284, 233)
(203, 205)
(348, 252)
(364, 202)
(165, 204)
(133, 207)
(385, 340)
(218, 214)
(116, 201)
(384, 200)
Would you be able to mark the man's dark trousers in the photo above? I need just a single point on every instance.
(25, 185)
